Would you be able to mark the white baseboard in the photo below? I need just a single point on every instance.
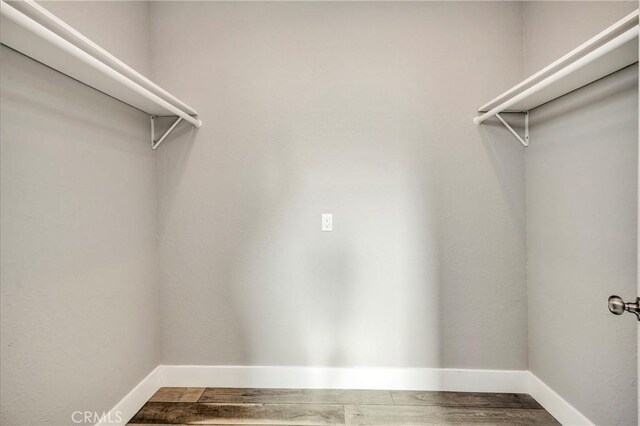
(434, 379)
(133, 401)
(441, 379)
(559, 408)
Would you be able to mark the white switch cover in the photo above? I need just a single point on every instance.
(327, 222)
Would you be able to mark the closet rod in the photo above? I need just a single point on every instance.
(586, 59)
(39, 30)
(76, 37)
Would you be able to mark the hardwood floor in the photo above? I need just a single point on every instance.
(232, 406)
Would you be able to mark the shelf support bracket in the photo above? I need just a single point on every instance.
(155, 144)
(524, 141)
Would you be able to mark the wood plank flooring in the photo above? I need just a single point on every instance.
(306, 407)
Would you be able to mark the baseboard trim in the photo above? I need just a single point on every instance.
(559, 408)
(434, 379)
(134, 400)
(344, 378)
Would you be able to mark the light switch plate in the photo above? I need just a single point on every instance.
(327, 222)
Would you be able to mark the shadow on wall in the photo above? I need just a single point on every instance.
(272, 289)
(360, 124)
(600, 93)
(362, 295)
(278, 290)
(502, 148)
(265, 286)
(28, 92)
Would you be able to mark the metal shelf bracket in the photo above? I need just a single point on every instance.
(524, 141)
(155, 144)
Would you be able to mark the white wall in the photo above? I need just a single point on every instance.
(581, 181)
(362, 110)
(79, 304)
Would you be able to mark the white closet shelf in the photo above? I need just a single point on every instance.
(609, 51)
(32, 30)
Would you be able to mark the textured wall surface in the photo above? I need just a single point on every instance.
(355, 109)
(79, 304)
(581, 181)
(581, 211)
